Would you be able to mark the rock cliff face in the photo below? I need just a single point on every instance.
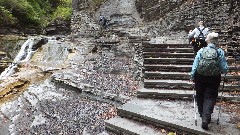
(221, 16)
(58, 27)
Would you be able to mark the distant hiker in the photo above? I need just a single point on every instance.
(197, 37)
(206, 72)
(103, 21)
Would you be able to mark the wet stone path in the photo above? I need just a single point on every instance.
(76, 99)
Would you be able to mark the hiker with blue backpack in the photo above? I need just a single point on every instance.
(207, 68)
(197, 37)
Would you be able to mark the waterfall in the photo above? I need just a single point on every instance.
(24, 51)
(23, 55)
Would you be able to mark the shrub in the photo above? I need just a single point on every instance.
(33, 13)
(64, 10)
(6, 17)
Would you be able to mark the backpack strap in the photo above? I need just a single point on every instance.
(203, 48)
(201, 31)
(216, 50)
(217, 53)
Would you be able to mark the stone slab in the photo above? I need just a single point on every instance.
(167, 46)
(180, 115)
(164, 94)
(185, 83)
(231, 68)
(170, 59)
(181, 94)
(177, 50)
(184, 75)
(124, 125)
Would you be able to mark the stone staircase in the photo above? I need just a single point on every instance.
(165, 104)
(168, 67)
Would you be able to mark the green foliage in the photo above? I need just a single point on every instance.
(22, 10)
(63, 10)
(63, 13)
(33, 13)
(6, 17)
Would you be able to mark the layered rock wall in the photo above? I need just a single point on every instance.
(221, 16)
(156, 9)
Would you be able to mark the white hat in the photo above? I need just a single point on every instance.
(211, 36)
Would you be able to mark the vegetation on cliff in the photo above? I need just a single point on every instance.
(33, 13)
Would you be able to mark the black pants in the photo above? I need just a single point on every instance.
(206, 94)
(198, 44)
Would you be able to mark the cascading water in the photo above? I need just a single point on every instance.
(24, 55)
(24, 51)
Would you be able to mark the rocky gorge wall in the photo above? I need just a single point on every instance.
(221, 16)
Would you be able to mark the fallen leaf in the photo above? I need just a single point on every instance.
(171, 133)
(238, 125)
(163, 131)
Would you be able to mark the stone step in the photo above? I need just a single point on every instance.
(172, 50)
(167, 75)
(134, 41)
(155, 45)
(107, 41)
(178, 61)
(177, 114)
(125, 126)
(137, 40)
(173, 60)
(165, 94)
(168, 55)
(145, 38)
(181, 94)
(167, 67)
(181, 84)
(177, 68)
(168, 84)
(180, 75)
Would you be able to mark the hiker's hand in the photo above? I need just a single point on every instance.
(192, 80)
(225, 80)
(193, 84)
